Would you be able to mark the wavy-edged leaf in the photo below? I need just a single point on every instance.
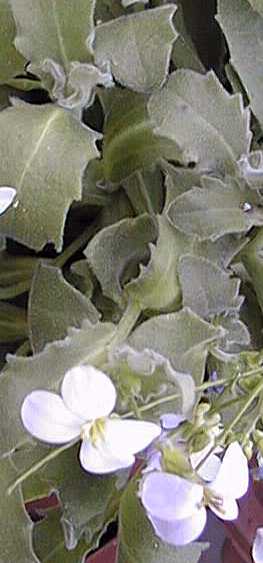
(88, 502)
(146, 375)
(137, 541)
(237, 336)
(54, 306)
(222, 251)
(129, 143)
(207, 289)
(183, 338)
(157, 288)
(194, 111)
(117, 247)
(53, 29)
(45, 371)
(140, 58)
(36, 162)
(216, 209)
(16, 527)
(11, 62)
(243, 28)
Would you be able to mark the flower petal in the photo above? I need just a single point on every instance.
(129, 436)
(7, 195)
(100, 460)
(233, 476)
(166, 496)
(228, 509)
(171, 420)
(180, 532)
(88, 392)
(46, 417)
(209, 469)
(257, 550)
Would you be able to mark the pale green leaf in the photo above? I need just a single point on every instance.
(37, 164)
(178, 181)
(184, 54)
(54, 306)
(215, 210)
(183, 338)
(118, 247)
(140, 58)
(16, 527)
(13, 323)
(16, 274)
(45, 371)
(129, 143)
(49, 544)
(11, 62)
(194, 111)
(53, 29)
(243, 28)
(207, 289)
(81, 274)
(88, 501)
(157, 288)
(257, 5)
(145, 190)
(146, 375)
(137, 541)
(222, 251)
(252, 258)
(237, 335)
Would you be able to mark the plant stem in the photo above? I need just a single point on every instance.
(251, 397)
(126, 323)
(76, 244)
(52, 455)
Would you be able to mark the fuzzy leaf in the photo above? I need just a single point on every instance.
(252, 258)
(140, 58)
(46, 371)
(222, 251)
(53, 29)
(157, 287)
(88, 502)
(243, 28)
(184, 54)
(49, 544)
(129, 143)
(215, 210)
(54, 306)
(11, 62)
(16, 527)
(13, 323)
(191, 107)
(237, 335)
(183, 338)
(137, 542)
(207, 289)
(38, 165)
(117, 247)
(146, 375)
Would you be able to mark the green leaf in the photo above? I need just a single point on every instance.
(88, 501)
(46, 371)
(257, 5)
(184, 54)
(32, 163)
(16, 527)
(16, 274)
(145, 190)
(49, 544)
(207, 289)
(145, 375)
(13, 323)
(243, 28)
(137, 541)
(215, 210)
(191, 107)
(237, 335)
(178, 181)
(11, 62)
(53, 29)
(183, 338)
(157, 288)
(140, 58)
(118, 247)
(252, 259)
(129, 143)
(54, 306)
(222, 251)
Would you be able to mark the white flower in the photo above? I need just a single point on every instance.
(7, 196)
(257, 550)
(83, 410)
(176, 507)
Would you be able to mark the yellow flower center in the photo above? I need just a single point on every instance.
(94, 431)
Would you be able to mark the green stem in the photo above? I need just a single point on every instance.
(126, 323)
(76, 245)
(252, 396)
(52, 455)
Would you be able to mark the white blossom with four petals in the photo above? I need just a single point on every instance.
(84, 410)
(176, 507)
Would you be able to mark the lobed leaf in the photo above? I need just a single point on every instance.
(36, 162)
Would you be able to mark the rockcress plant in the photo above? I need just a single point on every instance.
(131, 293)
